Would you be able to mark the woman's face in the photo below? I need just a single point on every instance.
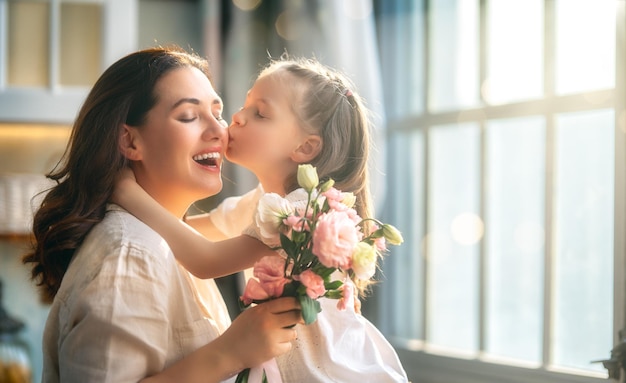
(264, 133)
(182, 141)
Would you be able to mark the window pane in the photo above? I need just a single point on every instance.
(515, 237)
(453, 54)
(157, 26)
(81, 41)
(515, 51)
(585, 45)
(28, 27)
(401, 56)
(454, 232)
(583, 242)
(404, 263)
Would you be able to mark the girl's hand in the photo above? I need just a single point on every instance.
(124, 184)
(262, 332)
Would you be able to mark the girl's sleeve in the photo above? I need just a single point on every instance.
(234, 214)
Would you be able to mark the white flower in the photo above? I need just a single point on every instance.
(364, 261)
(307, 177)
(271, 211)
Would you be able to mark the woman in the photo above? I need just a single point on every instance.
(122, 308)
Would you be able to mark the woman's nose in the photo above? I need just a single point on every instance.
(216, 129)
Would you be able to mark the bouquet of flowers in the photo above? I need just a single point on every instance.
(318, 232)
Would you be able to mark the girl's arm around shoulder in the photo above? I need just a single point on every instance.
(203, 258)
(255, 336)
(229, 218)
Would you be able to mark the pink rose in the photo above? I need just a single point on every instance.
(380, 243)
(313, 282)
(334, 239)
(334, 198)
(254, 292)
(296, 223)
(271, 280)
(333, 194)
(347, 296)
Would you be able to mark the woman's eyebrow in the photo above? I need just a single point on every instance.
(194, 101)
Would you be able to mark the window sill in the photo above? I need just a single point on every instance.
(426, 367)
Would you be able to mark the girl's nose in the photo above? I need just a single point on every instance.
(239, 117)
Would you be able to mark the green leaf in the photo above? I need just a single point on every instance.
(288, 246)
(242, 377)
(324, 271)
(334, 285)
(290, 289)
(334, 294)
(310, 308)
(298, 236)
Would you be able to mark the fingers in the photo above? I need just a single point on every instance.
(286, 311)
(280, 305)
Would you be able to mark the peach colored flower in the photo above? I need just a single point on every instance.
(347, 296)
(334, 239)
(339, 201)
(296, 223)
(254, 291)
(271, 280)
(313, 282)
(380, 243)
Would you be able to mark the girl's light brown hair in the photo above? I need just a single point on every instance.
(326, 103)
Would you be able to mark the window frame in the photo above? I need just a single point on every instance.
(432, 365)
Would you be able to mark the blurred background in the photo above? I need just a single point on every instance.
(499, 152)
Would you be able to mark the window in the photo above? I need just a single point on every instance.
(506, 124)
(53, 51)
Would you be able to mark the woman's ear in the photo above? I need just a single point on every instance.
(308, 149)
(128, 143)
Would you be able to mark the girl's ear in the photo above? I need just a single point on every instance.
(128, 143)
(308, 149)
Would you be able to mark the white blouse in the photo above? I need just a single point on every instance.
(126, 309)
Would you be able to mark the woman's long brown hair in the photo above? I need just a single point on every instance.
(86, 174)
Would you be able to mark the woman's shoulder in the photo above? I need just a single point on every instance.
(122, 235)
(126, 228)
(119, 247)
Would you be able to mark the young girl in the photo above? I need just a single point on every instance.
(298, 111)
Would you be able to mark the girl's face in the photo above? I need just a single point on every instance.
(265, 132)
(182, 141)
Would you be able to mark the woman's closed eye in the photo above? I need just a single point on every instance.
(188, 118)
